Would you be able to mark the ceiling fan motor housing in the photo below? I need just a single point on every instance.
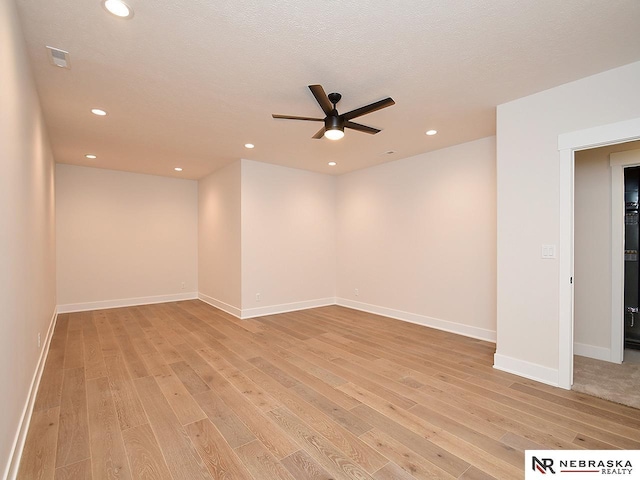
(334, 121)
(334, 98)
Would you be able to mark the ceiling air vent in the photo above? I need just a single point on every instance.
(58, 57)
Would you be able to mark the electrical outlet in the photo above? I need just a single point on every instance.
(39, 340)
(257, 297)
(357, 292)
(183, 285)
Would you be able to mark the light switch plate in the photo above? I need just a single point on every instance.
(548, 251)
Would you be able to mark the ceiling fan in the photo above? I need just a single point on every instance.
(335, 123)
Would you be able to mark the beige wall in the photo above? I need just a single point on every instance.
(528, 187)
(123, 237)
(288, 238)
(416, 237)
(592, 254)
(219, 238)
(27, 230)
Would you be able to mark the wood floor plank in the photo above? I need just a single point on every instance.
(474, 473)
(93, 357)
(106, 337)
(446, 461)
(204, 370)
(108, 458)
(582, 398)
(409, 461)
(249, 389)
(128, 406)
(261, 463)
(183, 403)
(219, 457)
(511, 419)
(265, 430)
(494, 447)
(452, 448)
(332, 459)
(164, 347)
(38, 460)
(392, 471)
(193, 383)
(132, 359)
(358, 451)
(73, 430)
(226, 421)
(76, 471)
(343, 417)
(607, 431)
(184, 390)
(277, 374)
(179, 453)
(302, 467)
(319, 372)
(145, 458)
(601, 413)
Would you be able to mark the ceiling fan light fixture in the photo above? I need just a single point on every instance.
(333, 127)
(334, 133)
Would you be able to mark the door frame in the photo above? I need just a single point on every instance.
(568, 144)
(618, 162)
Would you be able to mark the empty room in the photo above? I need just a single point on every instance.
(318, 240)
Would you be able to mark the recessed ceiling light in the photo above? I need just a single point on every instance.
(431, 132)
(178, 169)
(118, 8)
(332, 164)
(249, 145)
(99, 112)
(91, 156)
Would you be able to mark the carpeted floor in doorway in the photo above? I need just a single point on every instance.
(617, 383)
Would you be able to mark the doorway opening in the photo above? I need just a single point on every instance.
(631, 260)
(568, 144)
(606, 245)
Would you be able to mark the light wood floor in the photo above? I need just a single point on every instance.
(184, 391)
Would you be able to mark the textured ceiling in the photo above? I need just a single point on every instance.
(188, 83)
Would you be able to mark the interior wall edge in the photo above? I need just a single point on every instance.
(425, 321)
(286, 307)
(25, 420)
(592, 351)
(125, 302)
(225, 307)
(532, 371)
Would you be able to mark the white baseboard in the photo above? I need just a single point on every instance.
(225, 307)
(458, 328)
(17, 447)
(529, 370)
(286, 307)
(125, 302)
(591, 351)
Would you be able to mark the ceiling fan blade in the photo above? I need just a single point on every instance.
(358, 112)
(290, 117)
(321, 98)
(361, 128)
(319, 134)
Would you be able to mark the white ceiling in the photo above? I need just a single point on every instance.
(188, 83)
